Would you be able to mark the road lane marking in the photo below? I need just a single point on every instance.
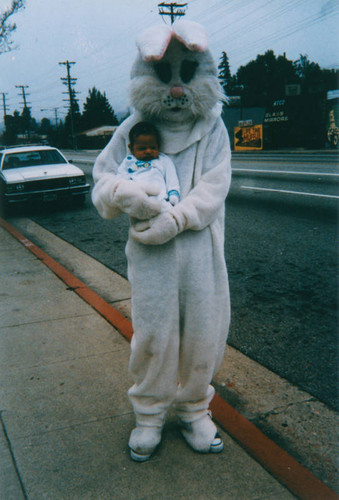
(285, 191)
(284, 172)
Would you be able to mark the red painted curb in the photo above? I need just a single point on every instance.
(113, 316)
(299, 480)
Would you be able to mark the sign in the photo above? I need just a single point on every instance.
(248, 138)
(277, 113)
(245, 123)
(332, 94)
(292, 89)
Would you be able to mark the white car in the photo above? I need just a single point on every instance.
(39, 173)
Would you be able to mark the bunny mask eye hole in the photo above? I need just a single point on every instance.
(163, 71)
(187, 70)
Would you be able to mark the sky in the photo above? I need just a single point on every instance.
(99, 37)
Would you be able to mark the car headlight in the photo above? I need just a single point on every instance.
(77, 181)
(15, 188)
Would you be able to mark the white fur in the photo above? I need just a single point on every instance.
(200, 94)
(156, 231)
(192, 35)
(180, 297)
(154, 41)
(200, 433)
(145, 439)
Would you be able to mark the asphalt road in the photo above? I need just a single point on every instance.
(281, 251)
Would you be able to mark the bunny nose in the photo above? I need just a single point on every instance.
(176, 92)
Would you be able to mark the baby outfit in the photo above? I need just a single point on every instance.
(160, 172)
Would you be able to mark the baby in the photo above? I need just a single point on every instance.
(146, 164)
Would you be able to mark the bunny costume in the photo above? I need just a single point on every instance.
(176, 265)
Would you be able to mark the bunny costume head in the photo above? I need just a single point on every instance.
(176, 264)
(174, 77)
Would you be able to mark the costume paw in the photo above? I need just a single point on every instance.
(156, 231)
(143, 441)
(135, 199)
(202, 436)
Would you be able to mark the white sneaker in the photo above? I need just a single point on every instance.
(143, 442)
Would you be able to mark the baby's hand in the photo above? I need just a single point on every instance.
(173, 198)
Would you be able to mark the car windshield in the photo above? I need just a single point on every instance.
(32, 158)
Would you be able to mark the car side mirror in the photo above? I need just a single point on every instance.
(70, 161)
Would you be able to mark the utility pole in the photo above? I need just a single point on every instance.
(23, 87)
(69, 82)
(55, 113)
(176, 9)
(4, 108)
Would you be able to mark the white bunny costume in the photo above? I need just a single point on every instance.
(176, 265)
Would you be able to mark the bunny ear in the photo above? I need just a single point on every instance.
(153, 42)
(192, 35)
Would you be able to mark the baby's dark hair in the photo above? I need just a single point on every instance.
(142, 128)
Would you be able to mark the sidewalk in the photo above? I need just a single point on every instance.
(65, 414)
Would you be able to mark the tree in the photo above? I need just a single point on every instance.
(26, 120)
(13, 127)
(45, 126)
(72, 122)
(97, 111)
(264, 79)
(314, 79)
(226, 79)
(7, 28)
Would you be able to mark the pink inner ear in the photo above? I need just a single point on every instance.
(153, 42)
(192, 35)
(194, 47)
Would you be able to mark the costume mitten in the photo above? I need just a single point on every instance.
(135, 199)
(156, 231)
(121, 195)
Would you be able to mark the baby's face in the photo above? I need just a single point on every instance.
(145, 147)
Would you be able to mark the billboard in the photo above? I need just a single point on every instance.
(248, 138)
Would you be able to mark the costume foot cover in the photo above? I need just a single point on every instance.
(143, 442)
(202, 435)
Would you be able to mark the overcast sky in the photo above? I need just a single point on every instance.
(99, 36)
